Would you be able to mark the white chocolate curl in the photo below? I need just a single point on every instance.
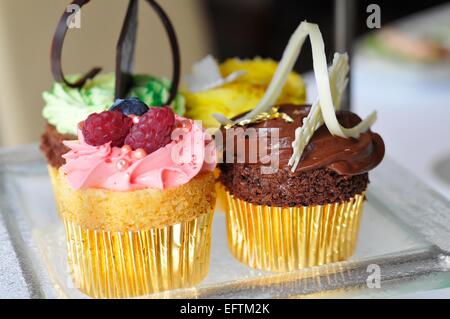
(338, 82)
(326, 94)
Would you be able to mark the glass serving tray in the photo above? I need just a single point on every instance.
(403, 246)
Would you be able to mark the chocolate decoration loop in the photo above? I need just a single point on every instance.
(125, 51)
(56, 51)
(123, 61)
(176, 59)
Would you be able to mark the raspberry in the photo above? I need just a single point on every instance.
(153, 130)
(107, 126)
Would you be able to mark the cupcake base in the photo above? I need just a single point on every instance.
(108, 264)
(291, 238)
(129, 244)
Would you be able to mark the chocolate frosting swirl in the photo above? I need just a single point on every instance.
(343, 156)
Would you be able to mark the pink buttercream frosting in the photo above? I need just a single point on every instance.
(191, 151)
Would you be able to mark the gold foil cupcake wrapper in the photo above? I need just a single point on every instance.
(291, 238)
(221, 198)
(106, 264)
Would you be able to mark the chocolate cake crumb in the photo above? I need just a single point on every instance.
(52, 146)
(287, 189)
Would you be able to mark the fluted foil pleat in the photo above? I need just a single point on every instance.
(291, 238)
(128, 264)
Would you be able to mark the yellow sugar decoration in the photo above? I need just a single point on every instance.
(244, 93)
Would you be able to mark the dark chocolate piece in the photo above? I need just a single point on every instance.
(125, 51)
(56, 51)
(176, 59)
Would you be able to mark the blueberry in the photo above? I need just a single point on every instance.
(130, 106)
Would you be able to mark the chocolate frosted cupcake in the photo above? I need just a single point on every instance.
(296, 175)
(332, 169)
(286, 220)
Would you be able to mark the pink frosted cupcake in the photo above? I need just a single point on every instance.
(136, 195)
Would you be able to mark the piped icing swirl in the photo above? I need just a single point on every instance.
(345, 156)
(121, 169)
(65, 107)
